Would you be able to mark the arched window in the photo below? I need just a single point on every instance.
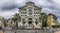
(30, 21)
(30, 12)
(36, 23)
(36, 19)
(23, 19)
(23, 23)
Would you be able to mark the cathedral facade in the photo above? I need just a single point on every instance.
(30, 16)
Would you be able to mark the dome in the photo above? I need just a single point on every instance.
(30, 2)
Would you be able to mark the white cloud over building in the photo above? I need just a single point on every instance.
(9, 7)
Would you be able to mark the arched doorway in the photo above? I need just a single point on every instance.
(30, 21)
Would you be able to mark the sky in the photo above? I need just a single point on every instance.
(9, 7)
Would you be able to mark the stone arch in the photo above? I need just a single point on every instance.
(29, 21)
(29, 18)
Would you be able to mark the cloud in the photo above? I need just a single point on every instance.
(10, 7)
(11, 4)
(58, 19)
(50, 6)
(8, 14)
(56, 1)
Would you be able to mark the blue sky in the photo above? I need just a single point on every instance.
(9, 7)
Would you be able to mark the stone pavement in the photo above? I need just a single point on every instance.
(26, 31)
(57, 32)
(1, 32)
(8, 31)
(53, 30)
(33, 31)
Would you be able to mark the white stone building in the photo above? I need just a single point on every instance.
(30, 16)
(1, 22)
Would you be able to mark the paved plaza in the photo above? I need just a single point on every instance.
(26, 31)
(56, 30)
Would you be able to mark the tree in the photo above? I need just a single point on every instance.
(43, 19)
(16, 19)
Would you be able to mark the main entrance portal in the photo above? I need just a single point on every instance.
(30, 21)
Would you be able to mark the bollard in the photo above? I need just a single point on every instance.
(36, 32)
(3, 30)
(52, 31)
(15, 31)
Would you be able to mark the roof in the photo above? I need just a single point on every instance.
(30, 2)
(24, 7)
(1, 17)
